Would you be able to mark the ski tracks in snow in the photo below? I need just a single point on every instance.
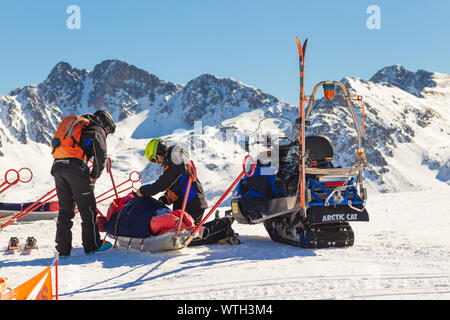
(316, 287)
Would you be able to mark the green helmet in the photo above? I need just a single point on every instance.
(155, 147)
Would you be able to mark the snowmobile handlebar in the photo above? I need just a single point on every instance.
(293, 142)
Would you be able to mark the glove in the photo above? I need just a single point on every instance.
(163, 199)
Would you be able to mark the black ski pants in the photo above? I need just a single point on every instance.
(74, 186)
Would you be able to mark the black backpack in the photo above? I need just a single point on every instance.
(218, 231)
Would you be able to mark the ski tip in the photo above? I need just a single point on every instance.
(299, 47)
(304, 46)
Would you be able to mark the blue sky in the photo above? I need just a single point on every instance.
(249, 40)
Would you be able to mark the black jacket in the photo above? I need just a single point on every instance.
(93, 142)
(175, 178)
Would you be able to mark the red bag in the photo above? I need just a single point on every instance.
(116, 205)
(101, 222)
(169, 222)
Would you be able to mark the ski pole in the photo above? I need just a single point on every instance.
(241, 175)
(108, 169)
(30, 208)
(192, 171)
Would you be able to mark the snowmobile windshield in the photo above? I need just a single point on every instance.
(276, 127)
(271, 134)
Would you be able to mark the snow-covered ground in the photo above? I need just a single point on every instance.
(403, 253)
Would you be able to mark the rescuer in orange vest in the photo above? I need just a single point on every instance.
(77, 140)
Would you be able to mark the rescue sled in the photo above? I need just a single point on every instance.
(169, 236)
(46, 211)
(168, 233)
(298, 194)
(166, 242)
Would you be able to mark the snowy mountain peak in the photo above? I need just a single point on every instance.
(125, 89)
(214, 99)
(404, 111)
(412, 82)
(63, 72)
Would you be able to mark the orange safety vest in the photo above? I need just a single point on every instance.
(66, 141)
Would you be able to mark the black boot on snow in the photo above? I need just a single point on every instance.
(30, 244)
(13, 245)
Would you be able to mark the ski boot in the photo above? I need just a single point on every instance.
(13, 245)
(30, 245)
(105, 246)
(233, 237)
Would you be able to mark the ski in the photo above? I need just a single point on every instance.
(301, 56)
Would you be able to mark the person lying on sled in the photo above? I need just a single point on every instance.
(141, 217)
(174, 180)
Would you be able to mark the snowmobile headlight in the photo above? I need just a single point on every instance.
(235, 207)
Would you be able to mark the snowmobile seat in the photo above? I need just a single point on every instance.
(260, 184)
(320, 155)
(320, 151)
(321, 175)
(335, 172)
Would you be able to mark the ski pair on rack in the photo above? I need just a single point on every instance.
(301, 122)
(14, 245)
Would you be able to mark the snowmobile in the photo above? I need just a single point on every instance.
(296, 191)
(333, 196)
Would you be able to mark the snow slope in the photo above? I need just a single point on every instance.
(401, 254)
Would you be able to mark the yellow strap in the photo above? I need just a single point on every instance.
(360, 154)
